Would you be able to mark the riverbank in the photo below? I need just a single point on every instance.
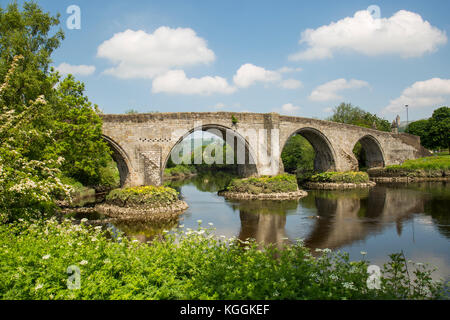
(338, 185)
(280, 187)
(436, 168)
(192, 265)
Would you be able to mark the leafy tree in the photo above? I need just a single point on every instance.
(298, 155)
(68, 125)
(78, 133)
(421, 128)
(28, 187)
(346, 113)
(434, 132)
(440, 128)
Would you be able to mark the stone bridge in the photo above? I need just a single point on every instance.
(142, 143)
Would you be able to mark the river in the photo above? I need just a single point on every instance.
(386, 219)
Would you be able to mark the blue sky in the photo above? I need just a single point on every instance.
(245, 55)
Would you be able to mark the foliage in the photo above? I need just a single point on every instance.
(346, 113)
(180, 170)
(142, 196)
(28, 187)
(298, 155)
(341, 177)
(265, 184)
(67, 123)
(34, 258)
(78, 133)
(234, 120)
(434, 133)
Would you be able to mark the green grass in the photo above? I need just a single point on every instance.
(35, 256)
(341, 177)
(428, 163)
(265, 184)
(142, 196)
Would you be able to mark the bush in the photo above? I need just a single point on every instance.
(180, 170)
(34, 259)
(142, 196)
(341, 177)
(265, 184)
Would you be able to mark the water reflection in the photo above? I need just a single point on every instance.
(385, 219)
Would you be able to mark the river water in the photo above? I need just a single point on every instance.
(386, 219)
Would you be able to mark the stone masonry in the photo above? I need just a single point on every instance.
(142, 143)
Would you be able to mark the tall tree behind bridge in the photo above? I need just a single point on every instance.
(349, 114)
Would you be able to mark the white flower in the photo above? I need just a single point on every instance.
(39, 286)
(211, 224)
(201, 232)
(349, 285)
(363, 253)
(199, 221)
(83, 262)
(98, 228)
(46, 257)
(135, 241)
(181, 226)
(84, 220)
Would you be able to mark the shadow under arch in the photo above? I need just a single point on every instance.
(325, 154)
(239, 143)
(374, 156)
(121, 158)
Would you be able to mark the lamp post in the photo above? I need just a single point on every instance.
(407, 116)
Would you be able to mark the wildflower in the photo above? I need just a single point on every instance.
(84, 220)
(39, 286)
(348, 285)
(181, 226)
(211, 224)
(363, 253)
(46, 257)
(199, 221)
(98, 228)
(201, 232)
(83, 262)
(135, 241)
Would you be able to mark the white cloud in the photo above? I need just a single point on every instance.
(175, 81)
(248, 74)
(329, 91)
(288, 108)
(289, 70)
(291, 84)
(405, 34)
(422, 94)
(138, 54)
(81, 70)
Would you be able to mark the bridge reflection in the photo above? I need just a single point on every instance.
(341, 217)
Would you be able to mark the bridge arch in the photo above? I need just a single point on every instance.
(239, 143)
(373, 153)
(121, 158)
(325, 159)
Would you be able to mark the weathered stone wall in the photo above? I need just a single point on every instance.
(144, 141)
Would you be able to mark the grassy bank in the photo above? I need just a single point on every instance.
(142, 196)
(276, 184)
(431, 167)
(341, 177)
(34, 259)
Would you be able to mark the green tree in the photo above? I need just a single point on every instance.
(421, 128)
(78, 133)
(298, 155)
(349, 114)
(440, 128)
(68, 124)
